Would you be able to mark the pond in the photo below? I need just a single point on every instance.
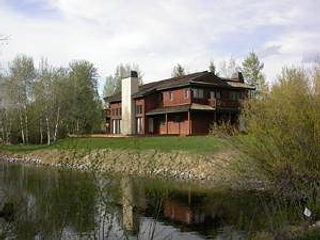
(49, 203)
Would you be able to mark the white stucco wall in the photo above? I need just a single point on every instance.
(129, 86)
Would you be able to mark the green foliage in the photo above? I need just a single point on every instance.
(251, 69)
(283, 138)
(223, 129)
(113, 82)
(196, 144)
(228, 68)
(45, 104)
(311, 235)
(178, 70)
(84, 103)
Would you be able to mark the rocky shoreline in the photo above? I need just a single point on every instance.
(216, 168)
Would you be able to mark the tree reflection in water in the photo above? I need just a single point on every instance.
(60, 204)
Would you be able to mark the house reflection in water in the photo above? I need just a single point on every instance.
(183, 213)
(182, 209)
(130, 218)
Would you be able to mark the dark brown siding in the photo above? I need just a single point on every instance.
(201, 122)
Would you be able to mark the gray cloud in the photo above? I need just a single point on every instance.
(158, 34)
(269, 51)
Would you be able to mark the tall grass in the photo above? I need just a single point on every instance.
(195, 144)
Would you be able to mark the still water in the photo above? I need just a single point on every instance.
(47, 203)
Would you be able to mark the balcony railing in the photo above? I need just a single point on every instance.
(218, 103)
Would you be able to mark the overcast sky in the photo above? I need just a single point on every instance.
(158, 34)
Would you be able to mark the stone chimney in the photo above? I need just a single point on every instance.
(237, 76)
(240, 77)
(129, 86)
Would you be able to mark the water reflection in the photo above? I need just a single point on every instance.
(58, 204)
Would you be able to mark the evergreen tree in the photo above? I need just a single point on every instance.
(178, 70)
(251, 69)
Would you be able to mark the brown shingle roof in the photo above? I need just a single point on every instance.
(198, 78)
(180, 108)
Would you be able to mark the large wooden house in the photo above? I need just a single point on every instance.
(185, 105)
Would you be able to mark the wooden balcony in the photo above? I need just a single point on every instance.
(228, 104)
(220, 103)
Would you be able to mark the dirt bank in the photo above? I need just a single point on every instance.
(219, 168)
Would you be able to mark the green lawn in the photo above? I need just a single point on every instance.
(196, 144)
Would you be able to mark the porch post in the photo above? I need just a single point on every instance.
(167, 123)
(215, 116)
(189, 123)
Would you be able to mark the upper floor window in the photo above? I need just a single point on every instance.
(160, 97)
(234, 95)
(212, 95)
(195, 93)
(198, 93)
(201, 95)
(218, 94)
(138, 109)
(116, 111)
(170, 93)
(186, 93)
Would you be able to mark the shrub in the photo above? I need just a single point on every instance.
(283, 136)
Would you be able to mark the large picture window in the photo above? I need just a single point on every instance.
(139, 125)
(138, 109)
(116, 126)
(198, 93)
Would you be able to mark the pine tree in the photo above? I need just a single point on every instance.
(178, 71)
(251, 70)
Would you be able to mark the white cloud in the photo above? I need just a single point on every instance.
(157, 35)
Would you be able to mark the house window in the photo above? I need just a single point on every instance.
(201, 95)
(195, 93)
(138, 109)
(198, 93)
(160, 97)
(234, 95)
(177, 119)
(186, 93)
(116, 126)
(218, 94)
(212, 95)
(139, 125)
(170, 93)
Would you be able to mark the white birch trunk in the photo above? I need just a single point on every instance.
(40, 129)
(56, 125)
(21, 127)
(48, 131)
(26, 123)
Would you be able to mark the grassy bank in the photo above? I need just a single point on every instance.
(196, 144)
